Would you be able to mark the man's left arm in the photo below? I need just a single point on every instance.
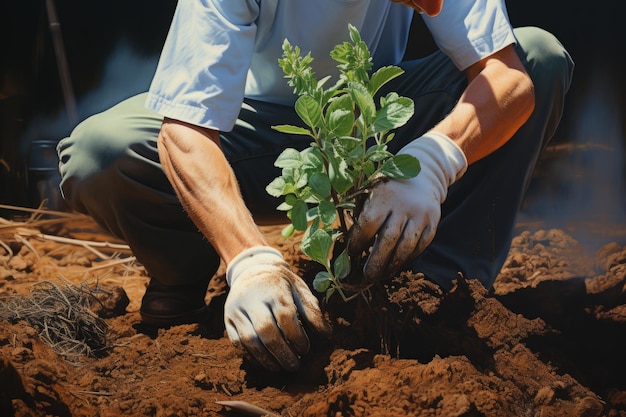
(498, 99)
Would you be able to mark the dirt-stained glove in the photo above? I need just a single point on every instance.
(403, 215)
(268, 308)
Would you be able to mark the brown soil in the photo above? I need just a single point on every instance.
(547, 341)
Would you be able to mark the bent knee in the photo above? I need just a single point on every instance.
(103, 138)
(100, 150)
(545, 58)
(88, 150)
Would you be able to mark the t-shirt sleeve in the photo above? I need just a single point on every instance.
(470, 30)
(201, 74)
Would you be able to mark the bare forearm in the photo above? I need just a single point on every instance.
(207, 188)
(497, 101)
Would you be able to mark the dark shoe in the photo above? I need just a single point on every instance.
(172, 305)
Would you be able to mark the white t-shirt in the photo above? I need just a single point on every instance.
(219, 51)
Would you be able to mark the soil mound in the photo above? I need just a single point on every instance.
(546, 341)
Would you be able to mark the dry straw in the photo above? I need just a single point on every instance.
(61, 312)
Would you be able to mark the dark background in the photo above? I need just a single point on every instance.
(111, 49)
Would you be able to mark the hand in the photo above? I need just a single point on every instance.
(403, 215)
(266, 306)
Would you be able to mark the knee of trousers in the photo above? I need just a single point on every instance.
(98, 158)
(546, 60)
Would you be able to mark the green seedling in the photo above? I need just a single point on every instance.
(324, 186)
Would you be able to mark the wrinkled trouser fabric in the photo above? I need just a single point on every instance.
(110, 170)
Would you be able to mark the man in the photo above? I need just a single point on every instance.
(183, 181)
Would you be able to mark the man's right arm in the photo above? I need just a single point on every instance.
(207, 188)
(267, 303)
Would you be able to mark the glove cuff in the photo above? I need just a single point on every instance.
(256, 255)
(453, 164)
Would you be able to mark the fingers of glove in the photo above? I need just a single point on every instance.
(63, 144)
(265, 306)
(233, 336)
(398, 241)
(276, 355)
(415, 238)
(62, 151)
(409, 245)
(367, 225)
(427, 236)
(270, 337)
(308, 308)
(384, 248)
(291, 330)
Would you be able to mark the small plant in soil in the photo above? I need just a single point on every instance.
(325, 185)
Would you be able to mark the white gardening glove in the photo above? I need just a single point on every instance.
(268, 307)
(403, 214)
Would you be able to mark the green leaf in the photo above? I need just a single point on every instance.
(401, 166)
(388, 137)
(393, 114)
(340, 122)
(378, 153)
(284, 207)
(341, 53)
(355, 36)
(298, 215)
(349, 145)
(327, 95)
(309, 111)
(342, 265)
(339, 174)
(363, 100)
(390, 97)
(320, 184)
(303, 179)
(288, 174)
(289, 158)
(290, 188)
(312, 160)
(312, 214)
(317, 246)
(306, 236)
(287, 231)
(322, 281)
(292, 130)
(309, 197)
(276, 187)
(327, 212)
(315, 225)
(291, 199)
(343, 102)
(382, 76)
(330, 292)
(322, 81)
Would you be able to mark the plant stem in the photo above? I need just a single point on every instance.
(340, 211)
